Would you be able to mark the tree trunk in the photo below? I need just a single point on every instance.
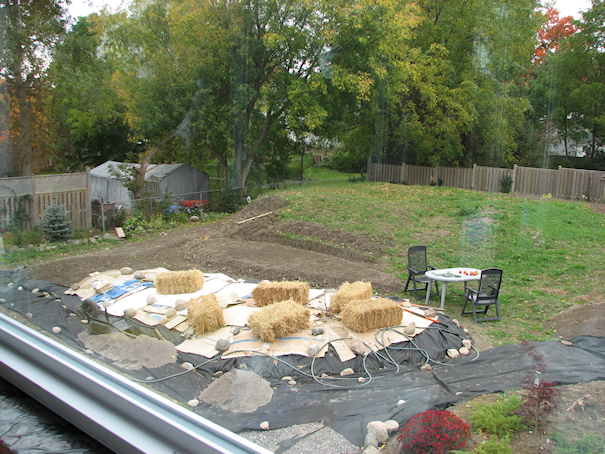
(252, 153)
(25, 126)
(223, 168)
(140, 171)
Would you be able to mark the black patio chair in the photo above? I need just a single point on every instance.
(417, 267)
(485, 296)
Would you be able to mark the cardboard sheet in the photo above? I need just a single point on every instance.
(204, 345)
(134, 300)
(238, 315)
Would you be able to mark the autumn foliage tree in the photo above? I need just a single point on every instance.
(28, 30)
(552, 33)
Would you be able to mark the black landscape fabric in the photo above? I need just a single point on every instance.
(394, 386)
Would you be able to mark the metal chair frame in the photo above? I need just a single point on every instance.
(486, 295)
(417, 267)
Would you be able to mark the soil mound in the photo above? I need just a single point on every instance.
(587, 319)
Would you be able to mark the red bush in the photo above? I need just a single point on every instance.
(433, 432)
(190, 203)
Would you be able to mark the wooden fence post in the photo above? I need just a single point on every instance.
(88, 199)
(473, 181)
(403, 169)
(514, 188)
(35, 219)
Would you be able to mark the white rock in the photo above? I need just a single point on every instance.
(56, 329)
(410, 329)
(292, 382)
(313, 349)
(151, 300)
(456, 322)
(187, 365)
(430, 313)
(400, 402)
(29, 315)
(194, 218)
(139, 275)
(84, 321)
(126, 270)
(130, 312)
(466, 343)
(464, 351)
(357, 347)
(36, 290)
(392, 425)
(193, 403)
(180, 305)
(379, 429)
(170, 313)
(347, 371)
(370, 440)
(426, 368)
(453, 353)
(264, 425)
(466, 330)
(286, 378)
(361, 380)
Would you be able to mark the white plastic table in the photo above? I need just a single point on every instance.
(450, 275)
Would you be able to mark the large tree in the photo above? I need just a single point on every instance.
(89, 117)
(582, 68)
(220, 73)
(437, 81)
(28, 31)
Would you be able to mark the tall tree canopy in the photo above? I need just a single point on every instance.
(89, 117)
(28, 31)
(221, 73)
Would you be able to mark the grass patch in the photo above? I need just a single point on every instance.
(545, 247)
(588, 443)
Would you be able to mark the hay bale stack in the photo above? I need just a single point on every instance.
(279, 319)
(362, 316)
(273, 292)
(357, 291)
(176, 282)
(205, 314)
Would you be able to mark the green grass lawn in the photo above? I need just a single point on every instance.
(552, 252)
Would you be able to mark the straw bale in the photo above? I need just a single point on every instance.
(205, 314)
(176, 282)
(273, 292)
(347, 292)
(362, 316)
(278, 320)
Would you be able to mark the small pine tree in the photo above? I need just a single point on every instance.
(55, 225)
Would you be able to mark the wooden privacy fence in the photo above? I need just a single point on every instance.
(572, 184)
(37, 192)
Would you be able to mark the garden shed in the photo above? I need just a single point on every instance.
(179, 181)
